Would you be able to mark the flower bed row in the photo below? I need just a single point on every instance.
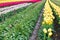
(20, 26)
(9, 3)
(46, 30)
(56, 10)
(57, 2)
(3, 17)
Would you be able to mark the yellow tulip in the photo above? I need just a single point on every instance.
(49, 30)
(43, 22)
(45, 30)
(50, 34)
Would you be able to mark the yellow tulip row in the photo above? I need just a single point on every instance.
(48, 14)
(47, 21)
(56, 8)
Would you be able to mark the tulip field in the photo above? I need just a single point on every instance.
(36, 21)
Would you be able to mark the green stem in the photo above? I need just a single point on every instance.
(48, 37)
(44, 36)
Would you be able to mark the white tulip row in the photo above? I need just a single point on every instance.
(12, 8)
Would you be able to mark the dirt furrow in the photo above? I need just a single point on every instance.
(37, 27)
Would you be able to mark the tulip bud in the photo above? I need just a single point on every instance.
(50, 34)
(45, 30)
(49, 30)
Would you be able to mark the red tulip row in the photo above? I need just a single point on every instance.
(17, 2)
